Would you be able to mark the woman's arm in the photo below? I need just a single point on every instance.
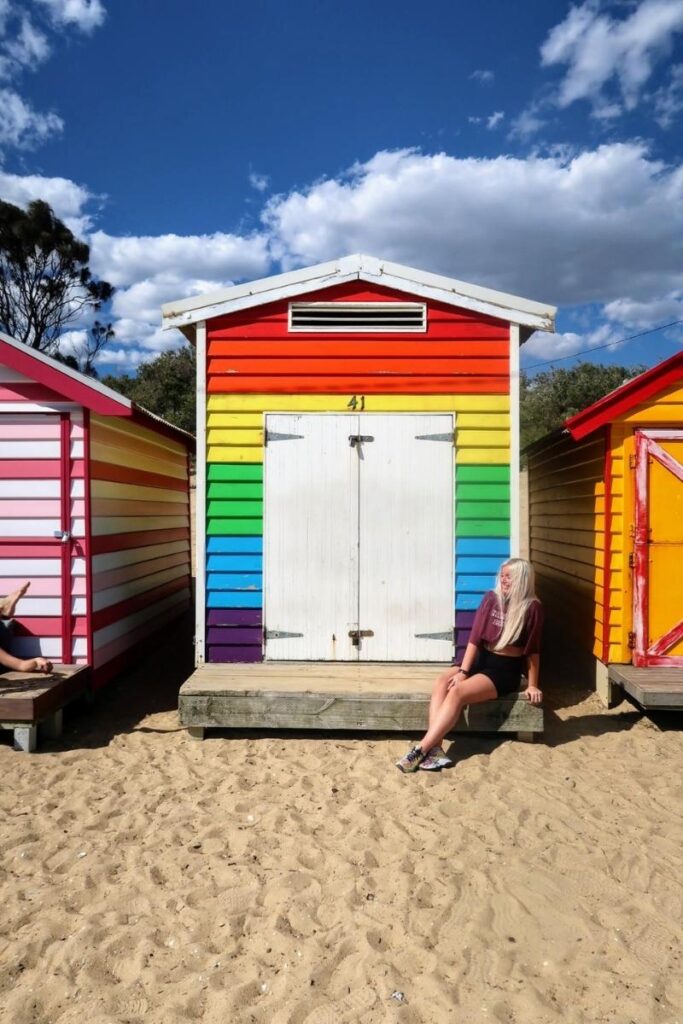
(532, 692)
(468, 661)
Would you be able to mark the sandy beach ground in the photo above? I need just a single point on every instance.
(301, 878)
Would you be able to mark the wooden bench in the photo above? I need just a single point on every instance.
(30, 701)
(371, 697)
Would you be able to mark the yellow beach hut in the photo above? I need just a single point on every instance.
(606, 534)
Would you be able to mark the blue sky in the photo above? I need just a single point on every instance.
(534, 148)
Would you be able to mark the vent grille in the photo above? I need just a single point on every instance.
(389, 317)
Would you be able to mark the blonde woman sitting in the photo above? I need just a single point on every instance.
(504, 642)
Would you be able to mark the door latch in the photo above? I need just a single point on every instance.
(356, 635)
(355, 439)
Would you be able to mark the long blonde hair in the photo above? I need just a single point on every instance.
(516, 604)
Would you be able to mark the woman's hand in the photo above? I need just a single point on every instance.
(458, 674)
(533, 695)
(41, 665)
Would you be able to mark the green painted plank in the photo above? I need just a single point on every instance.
(482, 474)
(482, 528)
(483, 492)
(235, 508)
(235, 471)
(235, 489)
(234, 527)
(484, 510)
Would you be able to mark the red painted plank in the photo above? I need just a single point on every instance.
(106, 616)
(124, 542)
(355, 348)
(48, 626)
(28, 392)
(36, 469)
(137, 570)
(379, 385)
(126, 475)
(387, 367)
(49, 548)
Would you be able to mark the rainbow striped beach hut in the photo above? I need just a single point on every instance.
(357, 474)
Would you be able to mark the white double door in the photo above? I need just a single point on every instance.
(358, 537)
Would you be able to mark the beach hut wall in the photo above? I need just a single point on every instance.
(94, 511)
(310, 385)
(605, 515)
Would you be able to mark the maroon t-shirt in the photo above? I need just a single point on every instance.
(488, 625)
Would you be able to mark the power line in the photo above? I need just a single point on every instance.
(610, 344)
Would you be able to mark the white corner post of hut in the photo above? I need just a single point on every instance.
(514, 441)
(200, 498)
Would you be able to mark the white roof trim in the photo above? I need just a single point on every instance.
(536, 315)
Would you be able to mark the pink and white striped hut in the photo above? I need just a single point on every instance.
(94, 511)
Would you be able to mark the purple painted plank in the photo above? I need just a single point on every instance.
(234, 617)
(464, 620)
(233, 635)
(237, 654)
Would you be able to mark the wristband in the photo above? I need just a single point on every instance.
(464, 672)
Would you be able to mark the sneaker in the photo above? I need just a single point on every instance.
(410, 762)
(435, 760)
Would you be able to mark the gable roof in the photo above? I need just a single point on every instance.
(626, 397)
(186, 312)
(83, 390)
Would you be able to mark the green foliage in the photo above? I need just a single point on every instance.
(45, 280)
(165, 386)
(549, 398)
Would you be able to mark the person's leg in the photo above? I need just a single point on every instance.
(475, 690)
(439, 691)
(9, 604)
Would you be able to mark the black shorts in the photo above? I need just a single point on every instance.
(504, 672)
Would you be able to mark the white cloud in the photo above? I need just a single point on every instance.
(528, 123)
(67, 199)
(22, 127)
(591, 227)
(542, 347)
(668, 100)
(260, 182)
(85, 15)
(27, 49)
(648, 313)
(484, 76)
(494, 120)
(596, 49)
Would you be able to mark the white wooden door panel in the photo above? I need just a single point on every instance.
(406, 560)
(310, 537)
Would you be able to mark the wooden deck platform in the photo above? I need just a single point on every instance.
(655, 688)
(29, 701)
(334, 695)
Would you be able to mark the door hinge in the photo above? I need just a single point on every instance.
(356, 635)
(632, 461)
(355, 439)
(631, 641)
(632, 560)
(436, 437)
(279, 634)
(448, 634)
(272, 435)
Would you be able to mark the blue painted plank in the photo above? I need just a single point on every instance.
(467, 602)
(473, 564)
(499, 546)
(234, 599)
(234, 563)
(234, 581)
(234, 545)
(473, 584)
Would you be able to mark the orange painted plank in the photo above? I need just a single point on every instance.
(346, 367)
(330, 346)
(381, 384)
(122, 507)
(127, 475)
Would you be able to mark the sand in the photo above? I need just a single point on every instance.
(301, 878)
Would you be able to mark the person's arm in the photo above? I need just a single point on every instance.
(532, 692)
(8, 660)
(467, 666)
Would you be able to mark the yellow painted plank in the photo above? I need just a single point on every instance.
(113, 489)
(240, 420)
(483, 457)
(135, 460)
(224, 453)
(236, 437)
(129, 442)
(483, 438)
(106, 525)
(135, 430)
(373, 403)
(483, 420)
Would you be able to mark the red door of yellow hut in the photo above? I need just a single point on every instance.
(658, 584)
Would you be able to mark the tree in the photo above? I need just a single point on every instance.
(165, 386)
(45, 280)
(551, 397)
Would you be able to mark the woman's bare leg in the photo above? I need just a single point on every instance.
(475, 690)
(439, 691)
(8, 604)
